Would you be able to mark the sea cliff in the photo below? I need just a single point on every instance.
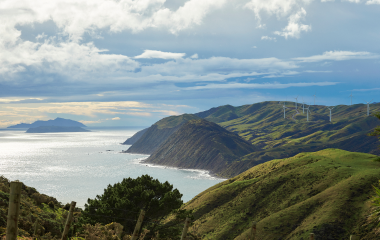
(203, 145)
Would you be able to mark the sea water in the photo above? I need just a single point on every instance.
(78, 166)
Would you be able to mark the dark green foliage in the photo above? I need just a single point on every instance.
(374, 217)
(33, 206)
(376, 131)
(123, 201)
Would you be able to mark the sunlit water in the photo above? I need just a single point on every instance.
(78, 166)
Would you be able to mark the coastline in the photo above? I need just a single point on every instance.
(142, 161)
(201, 171)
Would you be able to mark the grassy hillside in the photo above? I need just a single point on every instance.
(51, 214)
(274, 137)
(157, 134)
(201, 144)
(325, 192)
(263, 124)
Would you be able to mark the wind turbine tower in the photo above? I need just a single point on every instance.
(314, 98)
(351, 98)
(307, 112)
(303, 106)
(296, 101)
(368, 107)
(330, 112)
(284, 107)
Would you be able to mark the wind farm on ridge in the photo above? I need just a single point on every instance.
(308, 108)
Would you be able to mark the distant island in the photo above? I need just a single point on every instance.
(56, 125)
(58, 122)
(51, 129)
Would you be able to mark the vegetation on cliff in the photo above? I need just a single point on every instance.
(201, 144)
(50, 214)
(158, 133)
(326, 192)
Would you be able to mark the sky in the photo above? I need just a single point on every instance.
(133, 62)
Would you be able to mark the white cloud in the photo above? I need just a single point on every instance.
(373, 2)
(217, 65)
(280, 8)
(15, 100)
(268, 38)
(353, 1)
(312, 71)
(74, 18)
(65, 58)
(274, 85)
(366, 90)
(338, 56)
(96, 111)
(194, 56)
(294, 27)
(86, 122)
(159, 54)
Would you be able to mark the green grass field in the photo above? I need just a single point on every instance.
(325, 192)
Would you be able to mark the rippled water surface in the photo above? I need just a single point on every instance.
(78, 166)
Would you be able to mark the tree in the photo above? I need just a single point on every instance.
(123, 202)
(376, 131)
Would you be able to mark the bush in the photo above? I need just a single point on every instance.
(123, 202)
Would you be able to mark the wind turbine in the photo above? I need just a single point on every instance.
(314, 97)
(296, 101)
(351, 97)
(303, 106)
(368, 106)
(330, 112)
(307, 112)
(284, 107)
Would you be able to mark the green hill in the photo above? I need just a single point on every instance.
(201, 144)
(325, 192)
(263, 124)
(157, 134)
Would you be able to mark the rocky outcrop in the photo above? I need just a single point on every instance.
(201, 144)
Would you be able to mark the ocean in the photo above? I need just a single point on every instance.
(78, 166)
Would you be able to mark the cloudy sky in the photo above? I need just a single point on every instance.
(132, 62)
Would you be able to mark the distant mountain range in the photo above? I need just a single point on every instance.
(58, 122)
(263, 125)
